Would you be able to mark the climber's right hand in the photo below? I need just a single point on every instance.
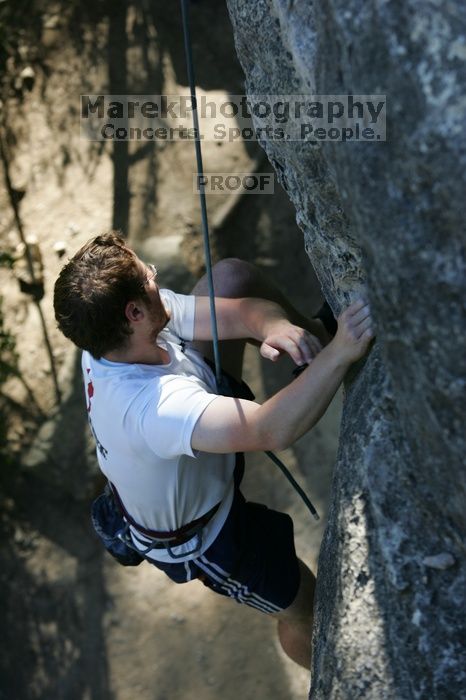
(354, 332)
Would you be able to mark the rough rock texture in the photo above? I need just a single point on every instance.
(389, 216)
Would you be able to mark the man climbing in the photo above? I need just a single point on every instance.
(172, 447)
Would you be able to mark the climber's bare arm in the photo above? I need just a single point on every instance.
(236, 425)
(259, 319)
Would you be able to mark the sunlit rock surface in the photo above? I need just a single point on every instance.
(388, 217)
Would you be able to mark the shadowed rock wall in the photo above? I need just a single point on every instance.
(389, 619)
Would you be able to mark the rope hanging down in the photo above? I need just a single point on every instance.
(205, 232)
(200, 171)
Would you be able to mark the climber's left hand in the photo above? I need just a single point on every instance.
(284, 337)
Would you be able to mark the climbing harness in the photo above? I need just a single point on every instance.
(219, 377)
(161, 539)
(116, 529)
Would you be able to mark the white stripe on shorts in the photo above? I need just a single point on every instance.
(235, 588)
(231, 590)
(189, 574)
(224, 573)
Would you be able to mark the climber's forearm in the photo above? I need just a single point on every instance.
(294, 410)
(238, 425)
(246, 317)
(262, 320)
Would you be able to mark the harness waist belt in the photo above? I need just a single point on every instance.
(173, 537)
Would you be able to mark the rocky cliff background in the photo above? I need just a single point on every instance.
(388, 219)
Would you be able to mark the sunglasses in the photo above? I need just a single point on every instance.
(152, 275)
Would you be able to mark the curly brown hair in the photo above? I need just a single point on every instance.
(91, 293)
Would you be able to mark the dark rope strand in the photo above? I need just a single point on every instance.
(200, 174)
(294, 483)
(205, 231)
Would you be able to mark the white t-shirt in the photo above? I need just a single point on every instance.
(142, 418)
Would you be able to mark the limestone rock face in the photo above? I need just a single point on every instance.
(387, 217)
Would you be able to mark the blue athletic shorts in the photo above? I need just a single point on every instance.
(252, 560)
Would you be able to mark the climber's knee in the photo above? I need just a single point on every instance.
(295, 622)
(233, 278)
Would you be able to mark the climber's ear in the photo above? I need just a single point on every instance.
(135, 312)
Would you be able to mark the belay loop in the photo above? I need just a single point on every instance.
(222, 387)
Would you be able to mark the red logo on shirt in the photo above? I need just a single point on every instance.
(90, 393)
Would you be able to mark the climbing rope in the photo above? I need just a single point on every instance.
(200, 172)
(205, 232)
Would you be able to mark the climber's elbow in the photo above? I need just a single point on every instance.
(281, 441)
(285, 436)
(276, 437)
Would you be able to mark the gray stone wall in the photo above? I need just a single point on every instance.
(388, 218)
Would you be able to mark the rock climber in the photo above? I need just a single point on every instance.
(172, 447)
